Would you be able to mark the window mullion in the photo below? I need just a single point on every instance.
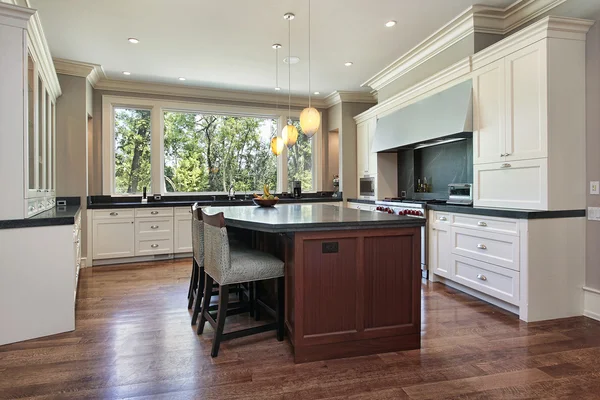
(157, 150)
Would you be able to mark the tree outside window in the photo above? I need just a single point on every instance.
(300, 161)
(132, 150)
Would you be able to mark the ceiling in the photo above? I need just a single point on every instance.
(227, 43)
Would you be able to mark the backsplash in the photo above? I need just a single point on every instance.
(442, 164)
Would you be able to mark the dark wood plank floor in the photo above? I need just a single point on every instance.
(134, 340)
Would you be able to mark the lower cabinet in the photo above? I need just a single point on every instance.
(182, 236)
(113, 238)
(439, 249)
(361, 206)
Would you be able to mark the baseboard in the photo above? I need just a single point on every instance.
(128, 260)
(83, 262)
(591, 303)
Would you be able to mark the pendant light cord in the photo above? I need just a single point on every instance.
(276, 78)
(289, 69)
(308, 53)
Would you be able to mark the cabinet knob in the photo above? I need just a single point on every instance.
(481, 277)
(505, 165)
(482, 246)
(114, 214)
(481, 223)
(154, 227)
(154, 212)
(154, 246)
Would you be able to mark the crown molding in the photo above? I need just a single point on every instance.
(92, 72)
(14, 15)
(203, 93)
(475, 19)
(349, 97)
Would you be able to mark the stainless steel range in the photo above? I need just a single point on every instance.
(410, 208)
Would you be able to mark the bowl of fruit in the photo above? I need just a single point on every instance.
(266, 199)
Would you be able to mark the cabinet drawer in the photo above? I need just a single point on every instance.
(183, 211)
(154, 212)
(114, 213)
(441, 217)
(498, 282)
(153, 246)
(159, 228)
(502, 250)
(512, 184)
(487, 224)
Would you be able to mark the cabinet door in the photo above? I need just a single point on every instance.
(489, 114)
(183, 234)
(113, 238)
(526, 94)
(362, 138)
(372, 157)
(518, 184)
(440, 249)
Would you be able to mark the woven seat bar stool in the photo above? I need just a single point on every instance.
(227, 268)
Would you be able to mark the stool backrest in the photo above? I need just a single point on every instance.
(197, 234)
(217, 261)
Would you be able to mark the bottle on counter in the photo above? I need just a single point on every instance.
(418, 188)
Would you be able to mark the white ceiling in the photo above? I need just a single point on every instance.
(227, 43)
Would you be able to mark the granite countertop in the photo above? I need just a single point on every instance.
(310, 217)
(507, 213)
(60, 215)
(218, 202)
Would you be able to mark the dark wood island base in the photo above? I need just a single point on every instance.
(353, 292)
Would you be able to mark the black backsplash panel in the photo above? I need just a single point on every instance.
(442, 164)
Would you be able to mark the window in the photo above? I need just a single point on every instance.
(209, 153)
(299, 161)
(132, 150)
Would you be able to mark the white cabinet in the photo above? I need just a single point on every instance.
(154, 231)
(439, 249)
(361, 206)
(182, 234)
(366, 162)
(113, 235)
(529, 118)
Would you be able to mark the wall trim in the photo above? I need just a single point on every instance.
(475, 19)
(92, 72)
(591, 303)
(13, 15)
(349, 97)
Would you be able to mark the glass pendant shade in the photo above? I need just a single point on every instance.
(289, 135)
(277, 145)
(310, 119)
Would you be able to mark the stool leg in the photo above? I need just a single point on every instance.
(199, 294)
(251, 299)
(280, 309)
(205, 303)
(222, 314)
(193, 280)
(256, 305)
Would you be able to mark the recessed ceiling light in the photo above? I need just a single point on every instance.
(278, 88)
(317, 93)
(291, 60)
(289, 16)
(389, 24)
(276, 46)
(181, 78)
(133, 40)
(126, 73)
(349, 64)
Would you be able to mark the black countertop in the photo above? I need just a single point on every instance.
(204, 202)
(310, 218)
(60, 215)
(507, 213)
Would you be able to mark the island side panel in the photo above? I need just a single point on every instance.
(362, 299)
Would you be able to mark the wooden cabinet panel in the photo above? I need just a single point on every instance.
(330, 275)
(440, 249)
(182, 234)
(113, 238)
(493, 248)
(362, 138)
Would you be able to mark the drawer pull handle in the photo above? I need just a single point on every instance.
(154, 212)
(481, 223)
(114, 214)
(505, 165)
(154, 227)
(190, 211)
(154, 246)
(482, 246)
(482, 277)
(443, 219)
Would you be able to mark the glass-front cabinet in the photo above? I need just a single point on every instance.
(40, 141)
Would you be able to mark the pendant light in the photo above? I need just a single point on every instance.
(310, 119)
(277, 142)
(289, 132)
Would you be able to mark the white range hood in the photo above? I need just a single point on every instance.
(442, 116)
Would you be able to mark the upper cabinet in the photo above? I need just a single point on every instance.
(529, 118)
(366, 160)
(28, 91)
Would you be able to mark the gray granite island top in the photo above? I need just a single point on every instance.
(309, 217)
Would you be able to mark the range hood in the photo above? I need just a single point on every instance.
(444, 116)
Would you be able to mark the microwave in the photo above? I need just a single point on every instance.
(367, 187)
(460, 193)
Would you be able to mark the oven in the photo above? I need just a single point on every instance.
(367, 187)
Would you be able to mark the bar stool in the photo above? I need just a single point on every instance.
(227, 268)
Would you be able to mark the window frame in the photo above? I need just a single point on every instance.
(157, 108)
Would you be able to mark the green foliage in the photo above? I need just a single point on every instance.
(132, 150)
(300, 161)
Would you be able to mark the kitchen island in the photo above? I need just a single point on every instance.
(352, 278)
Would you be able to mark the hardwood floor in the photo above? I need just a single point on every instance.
(134, 340)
